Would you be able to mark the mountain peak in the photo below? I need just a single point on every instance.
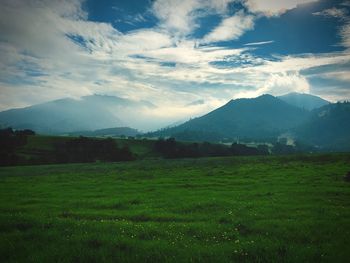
(261, 97)
(304, 100)
(263, 117)
(266, 96)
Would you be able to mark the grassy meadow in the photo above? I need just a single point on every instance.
(229, 209)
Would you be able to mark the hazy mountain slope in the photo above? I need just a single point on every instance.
(68, 115)
(328, 127)
(304, 101)
(261, 117)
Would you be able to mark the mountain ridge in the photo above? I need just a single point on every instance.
(264, 116)
(327, 127)
(304, 100)
(66, 115)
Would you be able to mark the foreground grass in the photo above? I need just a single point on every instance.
(254, 209)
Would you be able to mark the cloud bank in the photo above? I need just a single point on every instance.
(50, 50)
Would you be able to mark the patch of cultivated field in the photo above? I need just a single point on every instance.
(253, 209)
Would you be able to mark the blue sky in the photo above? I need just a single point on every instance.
(173, 53)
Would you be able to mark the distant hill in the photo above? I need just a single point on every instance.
(263, 119)
(259, 118)
(304, 101)
(328, 127)
(111, 132)
(70, 115)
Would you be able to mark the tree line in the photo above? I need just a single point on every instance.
(83, 150)
(87, 149)
(10, 140)
(170, 148)
(75, 150)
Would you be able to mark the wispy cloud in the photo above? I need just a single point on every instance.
(272, 7)
(259, 43)
(230, 28)
(181, 17)
(40, 60)
(176, 16)
(333, 12)
(345, 35)
(343, 15)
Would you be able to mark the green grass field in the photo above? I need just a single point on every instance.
(247, 209)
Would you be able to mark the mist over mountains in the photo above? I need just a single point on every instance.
(303, 117)
(86, 114)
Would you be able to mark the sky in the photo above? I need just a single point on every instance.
(186, 57)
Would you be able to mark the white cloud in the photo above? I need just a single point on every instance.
(180, 17)
(176, 15)
(273, 7)
(131, 64)
(342, 14)
(345, 35)
(230, 28)
(303, 62)
(346, 3)
(219, 6)
(186, 52)
(259, 43)
(338, 75)
(277, 84)
(332, 12)
(283, 83)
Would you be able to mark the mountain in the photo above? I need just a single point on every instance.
(69, 115)
(327, 127)
(110, 132)
(259, 118)
(304, 101)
